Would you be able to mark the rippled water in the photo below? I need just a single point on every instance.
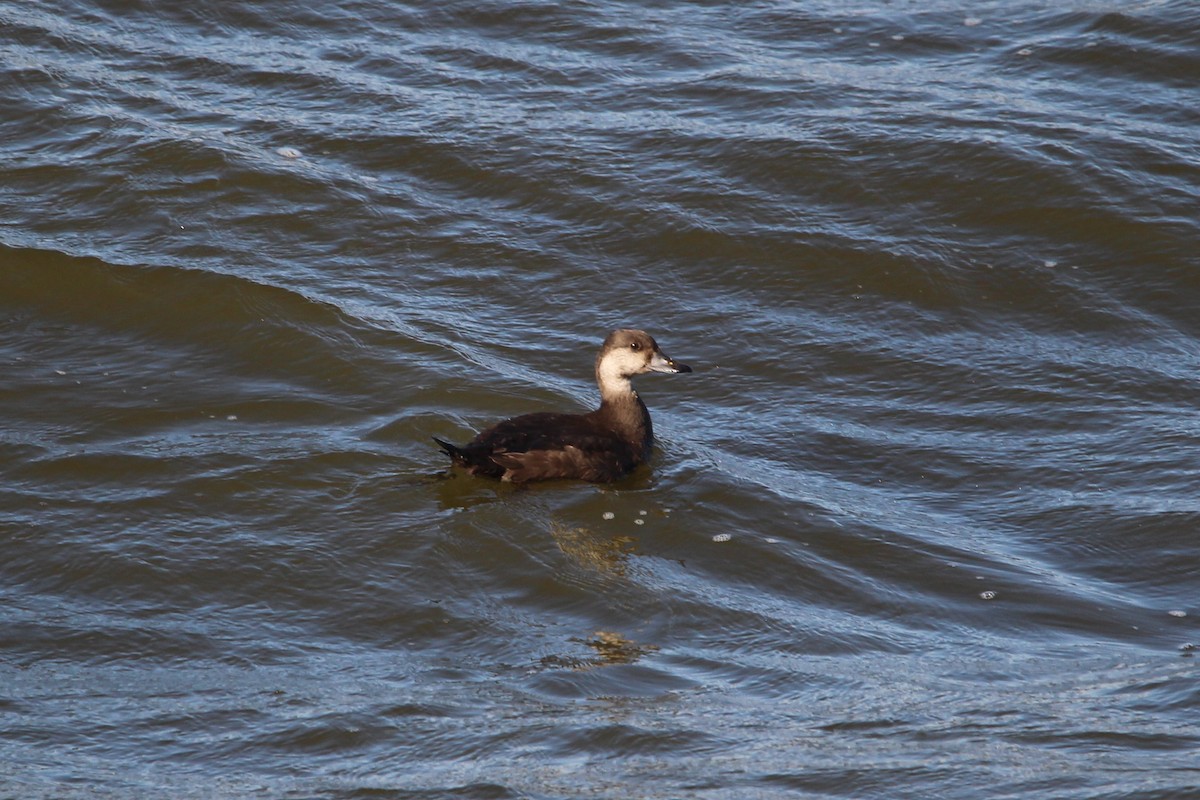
(923, 523)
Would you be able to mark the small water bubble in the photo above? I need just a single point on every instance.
(722, 537)
(643, 513)
(1051, 263)
(988, 595)
(608, 515)
(232, 417)
(1025, 51)
(971, 22)
(1177, 613)
(60, 372)
(288, 152)
(897, 37)
(639, 521)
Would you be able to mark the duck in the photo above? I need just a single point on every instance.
(599, 446)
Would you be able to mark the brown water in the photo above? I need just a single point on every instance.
(923, 523)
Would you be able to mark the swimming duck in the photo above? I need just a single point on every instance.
(599, 446)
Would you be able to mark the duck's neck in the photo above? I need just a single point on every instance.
(623, 411)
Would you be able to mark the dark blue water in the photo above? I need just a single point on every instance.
(923, 523)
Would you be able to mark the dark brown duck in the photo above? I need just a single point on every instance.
(601, 445)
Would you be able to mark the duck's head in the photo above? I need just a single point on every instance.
(628, 352)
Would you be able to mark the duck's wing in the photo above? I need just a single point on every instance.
(598, 466)
(542, 431)
(547, 446)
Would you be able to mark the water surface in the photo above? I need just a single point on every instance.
(923, 523)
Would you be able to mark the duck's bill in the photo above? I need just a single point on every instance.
(660, 363)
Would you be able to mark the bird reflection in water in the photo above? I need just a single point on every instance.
(607, 555)
(612, 649)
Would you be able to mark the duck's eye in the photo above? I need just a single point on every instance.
(635, 346)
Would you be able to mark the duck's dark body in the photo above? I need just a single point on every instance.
(599, 446)
(590, 447)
